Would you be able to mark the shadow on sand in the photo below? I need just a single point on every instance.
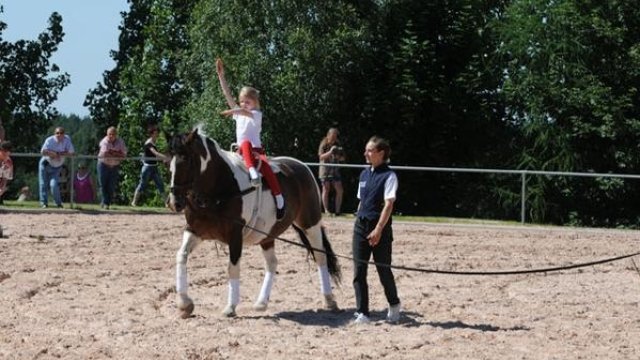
(408, 319)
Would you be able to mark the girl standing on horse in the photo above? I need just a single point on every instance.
(248, 118)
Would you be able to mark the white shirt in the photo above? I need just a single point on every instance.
(249, 128)
(52, 144)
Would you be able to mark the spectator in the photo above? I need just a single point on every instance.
(83, 187)
(55, 149)
(112, 151)
(6, 167)
(330, 152)
(150, 166)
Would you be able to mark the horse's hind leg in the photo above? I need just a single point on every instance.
(314, 235)
(271, 264)
(189, 242)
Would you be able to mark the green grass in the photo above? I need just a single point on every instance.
(35, 205)
(442, 220)
(450, 220)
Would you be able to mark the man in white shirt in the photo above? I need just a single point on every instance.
(54, 152)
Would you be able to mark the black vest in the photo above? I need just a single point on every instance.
(372, 191)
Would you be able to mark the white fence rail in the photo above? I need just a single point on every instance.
(522, 173)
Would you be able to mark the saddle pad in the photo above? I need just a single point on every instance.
(237, 160)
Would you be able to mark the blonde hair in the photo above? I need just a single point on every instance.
(251, 93)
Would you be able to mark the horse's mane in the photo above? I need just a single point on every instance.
(179, 143)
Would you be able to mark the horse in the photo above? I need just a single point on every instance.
(212, 187)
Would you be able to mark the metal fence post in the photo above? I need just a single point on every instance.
(523, 196)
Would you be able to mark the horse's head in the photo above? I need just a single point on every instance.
(185, 167)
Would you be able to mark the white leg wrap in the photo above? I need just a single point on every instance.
(189, 242)
(265, 292)
(325, 281)
(234, 292)
(181, 278)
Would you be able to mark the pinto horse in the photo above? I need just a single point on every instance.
(212, 187)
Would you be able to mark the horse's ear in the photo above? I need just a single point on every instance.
(192, 135)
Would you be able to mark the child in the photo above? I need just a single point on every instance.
(248, 118)
(25, 194)
(83, 185)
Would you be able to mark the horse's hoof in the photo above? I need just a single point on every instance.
(229, 311)
(330, 303)
(186, 313)
(185, 305)
(260, 306)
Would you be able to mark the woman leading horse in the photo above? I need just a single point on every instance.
(213, 188)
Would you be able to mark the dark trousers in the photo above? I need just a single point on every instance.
(108, 178)
(381, 255)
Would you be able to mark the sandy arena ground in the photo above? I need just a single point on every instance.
(101, 286)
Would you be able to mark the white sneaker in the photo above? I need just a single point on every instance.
(361, 319)
(255, 178)
(393, 315)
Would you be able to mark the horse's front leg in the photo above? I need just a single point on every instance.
(271, 264)
(189, 242)
(235, 251)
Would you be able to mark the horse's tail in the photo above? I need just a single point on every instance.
(332, 259)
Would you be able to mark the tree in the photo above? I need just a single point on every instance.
(29, 84)
(304, 57)
(571, 80)
(144, 87)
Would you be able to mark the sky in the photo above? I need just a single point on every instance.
(91, 32)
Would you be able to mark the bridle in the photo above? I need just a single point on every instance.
(182, 191)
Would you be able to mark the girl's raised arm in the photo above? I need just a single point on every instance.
(223, 84)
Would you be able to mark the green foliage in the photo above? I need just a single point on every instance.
(303, 57)
(535, 84)
(571, 82)
(144, 88)
(29, 84)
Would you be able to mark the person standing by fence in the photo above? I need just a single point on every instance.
(372, 233)
(112, 151)
(55, 150)
(330, 152)
(150, 166)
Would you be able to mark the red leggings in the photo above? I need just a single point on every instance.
(247, 154)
